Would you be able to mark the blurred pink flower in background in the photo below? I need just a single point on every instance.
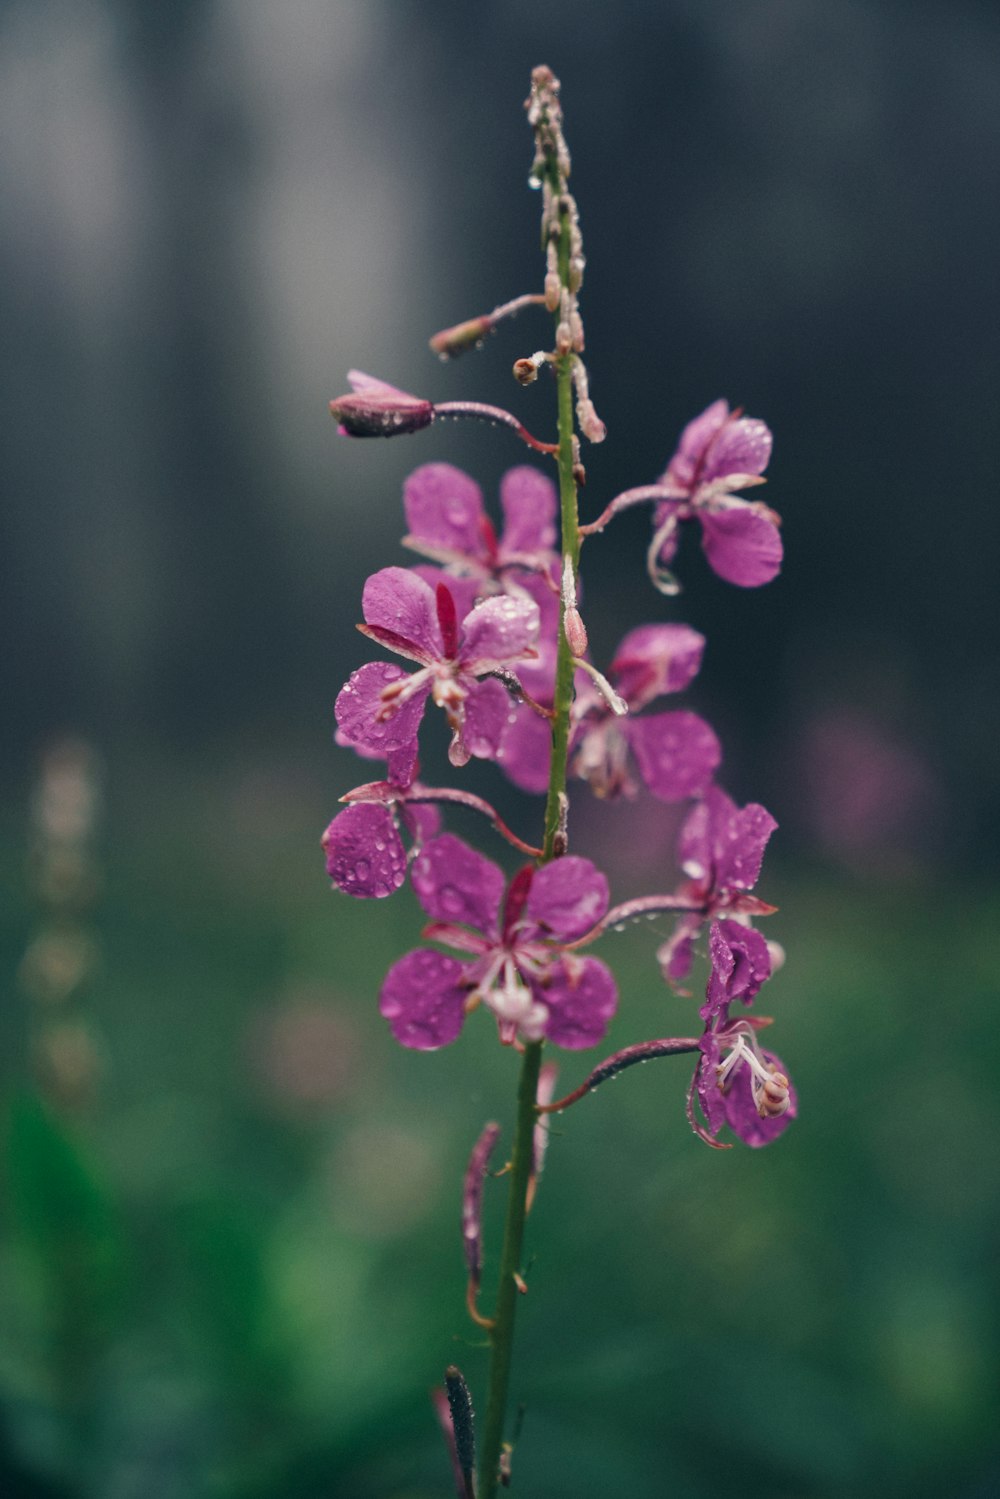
(867, 795)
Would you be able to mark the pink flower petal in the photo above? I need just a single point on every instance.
(444, 510)
(487, 710)
(396, 599)
(581, 998)
(655, 659)
(677, 753)
(741, 1111)
(741, 544)
(454, 883)
(683, 467)
(741, 447)
(740, 964)
(529, 502)
(498, 631)
(359, 704)
(364, 853)
(423, 999)
(567, 897)
(526, 749)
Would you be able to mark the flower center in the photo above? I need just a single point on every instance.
(769, 1086)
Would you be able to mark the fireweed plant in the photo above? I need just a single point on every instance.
(489, 630)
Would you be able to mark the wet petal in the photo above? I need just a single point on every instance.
(741, 544)
(526, 749)
(677, 753)
(464, 591)
(444, 510)
(683, 466)
(581, 998)
(655, 659)
(359, 704)
(529, 502)
(740, 964)
(707, 1083)
(455, 883)
(741, 447)
(568, 897)
(423, 999)
(498, 631)
(487, 709)
(364, 853)
(725, 843)
(676, 955)
(740, 1109)
(396, 599)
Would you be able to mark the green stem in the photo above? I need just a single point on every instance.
(502, 1332)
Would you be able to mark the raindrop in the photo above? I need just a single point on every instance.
(534, 182)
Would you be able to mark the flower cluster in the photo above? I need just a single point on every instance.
(490, 629)
(479, 625)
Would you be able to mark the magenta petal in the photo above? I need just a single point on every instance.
(655, 659)
(360, 702)
(741, 544)
(528, 499)
(444, 510)
(740, 846)
(526, 749)
(740, 964)
(676, 955)
(741, 447)
(487, 710)
(423, 999)
(364, 854)
(397, 599)
(581, 996)
(498, 631)
(677, 753)
(741, 1112)
(683, 467)
(455, 883)
(567, 897)
(707, 1083)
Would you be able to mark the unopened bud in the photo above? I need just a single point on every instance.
(553, 288)
(375, 409)
(451, 342)
(525, 371)
(576, 631)
(564, 339)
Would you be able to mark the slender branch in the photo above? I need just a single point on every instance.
(502, 1332)
(553, 844)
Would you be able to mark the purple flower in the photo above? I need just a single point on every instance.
(515, 947)
(380, 709)
(737, 1082)
(720, 452)
(447, 522)
(721, 848)
(677, 753)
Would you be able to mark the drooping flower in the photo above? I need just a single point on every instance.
(721, 849)
(737, 1082)
(719, 452)
(676, 753)
(447, 522)
(516, 958)
(380, 709)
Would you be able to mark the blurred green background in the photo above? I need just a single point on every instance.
(231, 1263)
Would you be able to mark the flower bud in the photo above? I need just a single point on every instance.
(375, 409)
(451, 342)
(525, 371)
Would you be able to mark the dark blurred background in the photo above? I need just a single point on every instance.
(230, 1262)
